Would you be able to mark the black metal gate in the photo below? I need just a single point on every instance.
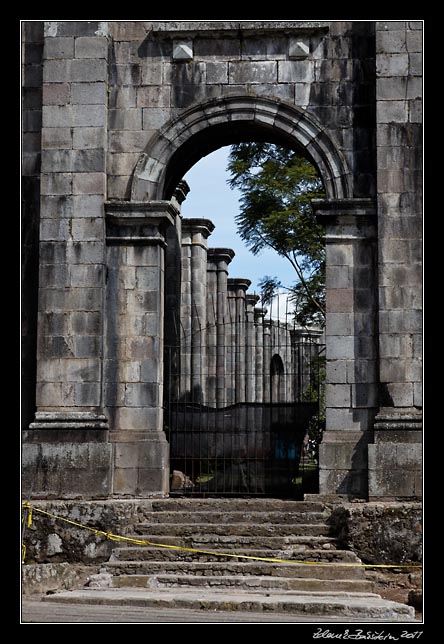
(237, 413)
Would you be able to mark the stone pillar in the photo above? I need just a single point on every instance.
(351, 339)
(395, 458)
(195, 233)
(218, 259)
(296, 374)
(240, 286)
(259, 314)
(68, 437)
(185, 316)
(173, 284)
(32, 61)
(230, 346)
(237, 288)
(211, 332)
(134, 344)
(266, 374)
(250, 357)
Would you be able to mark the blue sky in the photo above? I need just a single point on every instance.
(211, 197)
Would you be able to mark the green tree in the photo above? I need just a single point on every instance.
(277, 186)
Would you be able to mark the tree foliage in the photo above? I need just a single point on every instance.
(277, 186)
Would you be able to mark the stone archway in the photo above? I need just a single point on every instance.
(350, 256)
(123, 110)
(207, 126)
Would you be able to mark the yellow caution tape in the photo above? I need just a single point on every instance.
(144, 542)
(28, 525)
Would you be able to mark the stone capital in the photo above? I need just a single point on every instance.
(252, 299)
(195, 231)
(180, 194)
(219, 258)
(238, 284)
(346, 219)
(132, 222)
(260, 313)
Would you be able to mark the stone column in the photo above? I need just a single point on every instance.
(173, 285)
(219, 259)
(239, 287)
(296, 375)
(395, 458)
(185, 316)
(259, 314)
(134, 344)
(195, 233)
(230, 346)
(250, 358)
(351, 339)
(267, 328)
(211, 332)
(69, 434)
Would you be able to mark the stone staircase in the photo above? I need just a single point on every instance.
(290, 530)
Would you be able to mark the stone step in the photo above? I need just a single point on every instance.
(363, 606)
(243, 529)
(229, 542)
(144, 553)
(230, 567)
(228, 517)
(235, 505)
(249, 582)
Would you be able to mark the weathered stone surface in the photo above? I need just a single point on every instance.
(359, 85)
(72, 470)
(380, 532)
(155, 96)
(88, 115)
(59, 138)
(57, 71)
(89, 183)
(88, 93)
(252, 72)
(88, 137)
(129, 119)
(38, 579)
(296, 72)
(59, 47)
(56, 93)
(88, 71)
(91, 47)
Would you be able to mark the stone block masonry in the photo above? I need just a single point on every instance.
(398, 88)
(114, 115)
(73, 179)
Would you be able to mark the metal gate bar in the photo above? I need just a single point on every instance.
(232, 444)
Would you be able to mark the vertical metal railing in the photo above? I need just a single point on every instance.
(245, 444)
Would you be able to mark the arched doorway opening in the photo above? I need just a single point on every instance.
(205, 127)
(181, 141)
(277, 380)
(234, 438)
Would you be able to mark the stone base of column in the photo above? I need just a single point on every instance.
(141, 464)
(343, 463)
(395, 457)
(66, 455)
